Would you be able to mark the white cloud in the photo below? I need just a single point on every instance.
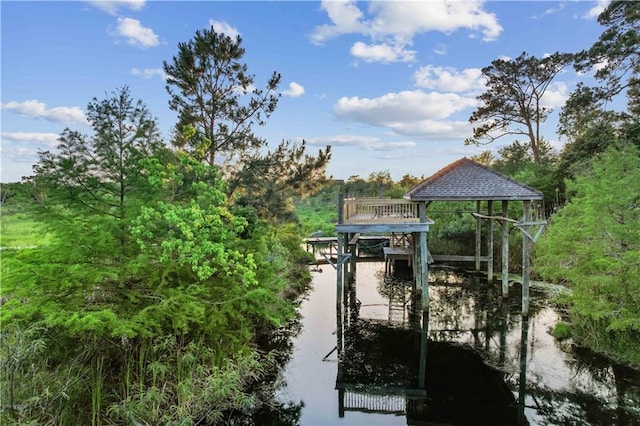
(434, 130)
(222, 27)
(135, 33)
(112, 6)
(395, 23)
(345, 17)
(449, 79)
(294, 90)
(149, 73)
(384, 53)
(36, 109)
(556, 95)
(44, 140)
(596, 10)
(406, 106)
(368, 143)
(410, 113)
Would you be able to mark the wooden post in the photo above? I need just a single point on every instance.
(490, 242)
(421, 260)
(422, 357)
(526, 264)
(353, 244)
(505, 249)
(424, 271)
(339, 278)
(417, 263)
(340, 208)
(346, 269)
(478, 235)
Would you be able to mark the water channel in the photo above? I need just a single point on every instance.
(472, 360)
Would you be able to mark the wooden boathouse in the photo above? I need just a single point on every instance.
(463, 180)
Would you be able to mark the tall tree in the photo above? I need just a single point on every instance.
(617, 51)
(616, 59)
(99, 176)
(512, 104)
(213, 92)
(218, 107)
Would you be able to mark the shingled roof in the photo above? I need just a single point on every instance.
(468, 180)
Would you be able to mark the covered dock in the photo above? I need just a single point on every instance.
(463, 180)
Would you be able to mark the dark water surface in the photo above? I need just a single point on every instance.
(471, 361)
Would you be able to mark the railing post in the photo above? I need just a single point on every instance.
(340, 208)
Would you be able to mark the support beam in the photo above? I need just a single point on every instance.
(478, 235)
(505, 249)
(490, 242)
(526, 261)
(339, 266)
(424, 271)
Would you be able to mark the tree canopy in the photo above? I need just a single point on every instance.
(512, 103)
(218, 106)
(212, 91)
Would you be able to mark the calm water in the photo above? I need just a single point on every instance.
(472, 360)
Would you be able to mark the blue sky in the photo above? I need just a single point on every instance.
(389, 85)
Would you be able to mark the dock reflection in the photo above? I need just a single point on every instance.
(429, 366)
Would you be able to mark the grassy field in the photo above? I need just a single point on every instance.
(19, 230)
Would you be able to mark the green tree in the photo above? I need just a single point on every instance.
(97, 180)
(593, 243)
(381, 179)
(512, 104)
(213, 92)
(218, 107)
(617, 51)
(270, 181)
(616, 57)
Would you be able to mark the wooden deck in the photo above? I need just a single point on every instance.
(379, 210)
(380, 215)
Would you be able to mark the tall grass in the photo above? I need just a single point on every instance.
(19, 230)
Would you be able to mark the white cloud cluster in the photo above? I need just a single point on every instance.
(410, 113)
(112, 6)
(224, 28)
(406, 106)
(136, 34)
(148, 73)
(449, 79)
(43, 140)
(36, 109)
(384, 53)
(295, 90)
(368, 143)
(391, 25)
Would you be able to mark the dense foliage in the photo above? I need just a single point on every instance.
(594, 244)
(148, 302)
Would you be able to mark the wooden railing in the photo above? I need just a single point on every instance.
(379, 210)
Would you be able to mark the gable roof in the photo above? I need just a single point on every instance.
(468, 180)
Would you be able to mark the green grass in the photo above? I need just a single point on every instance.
(19, 230)
(317, 217)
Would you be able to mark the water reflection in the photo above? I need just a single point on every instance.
(472, 360)
(386, 366)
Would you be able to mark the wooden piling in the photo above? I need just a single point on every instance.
(478, 235)
(422, 260)
(339, 266)
(505, 249)
(490, 242)
(526, 261)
